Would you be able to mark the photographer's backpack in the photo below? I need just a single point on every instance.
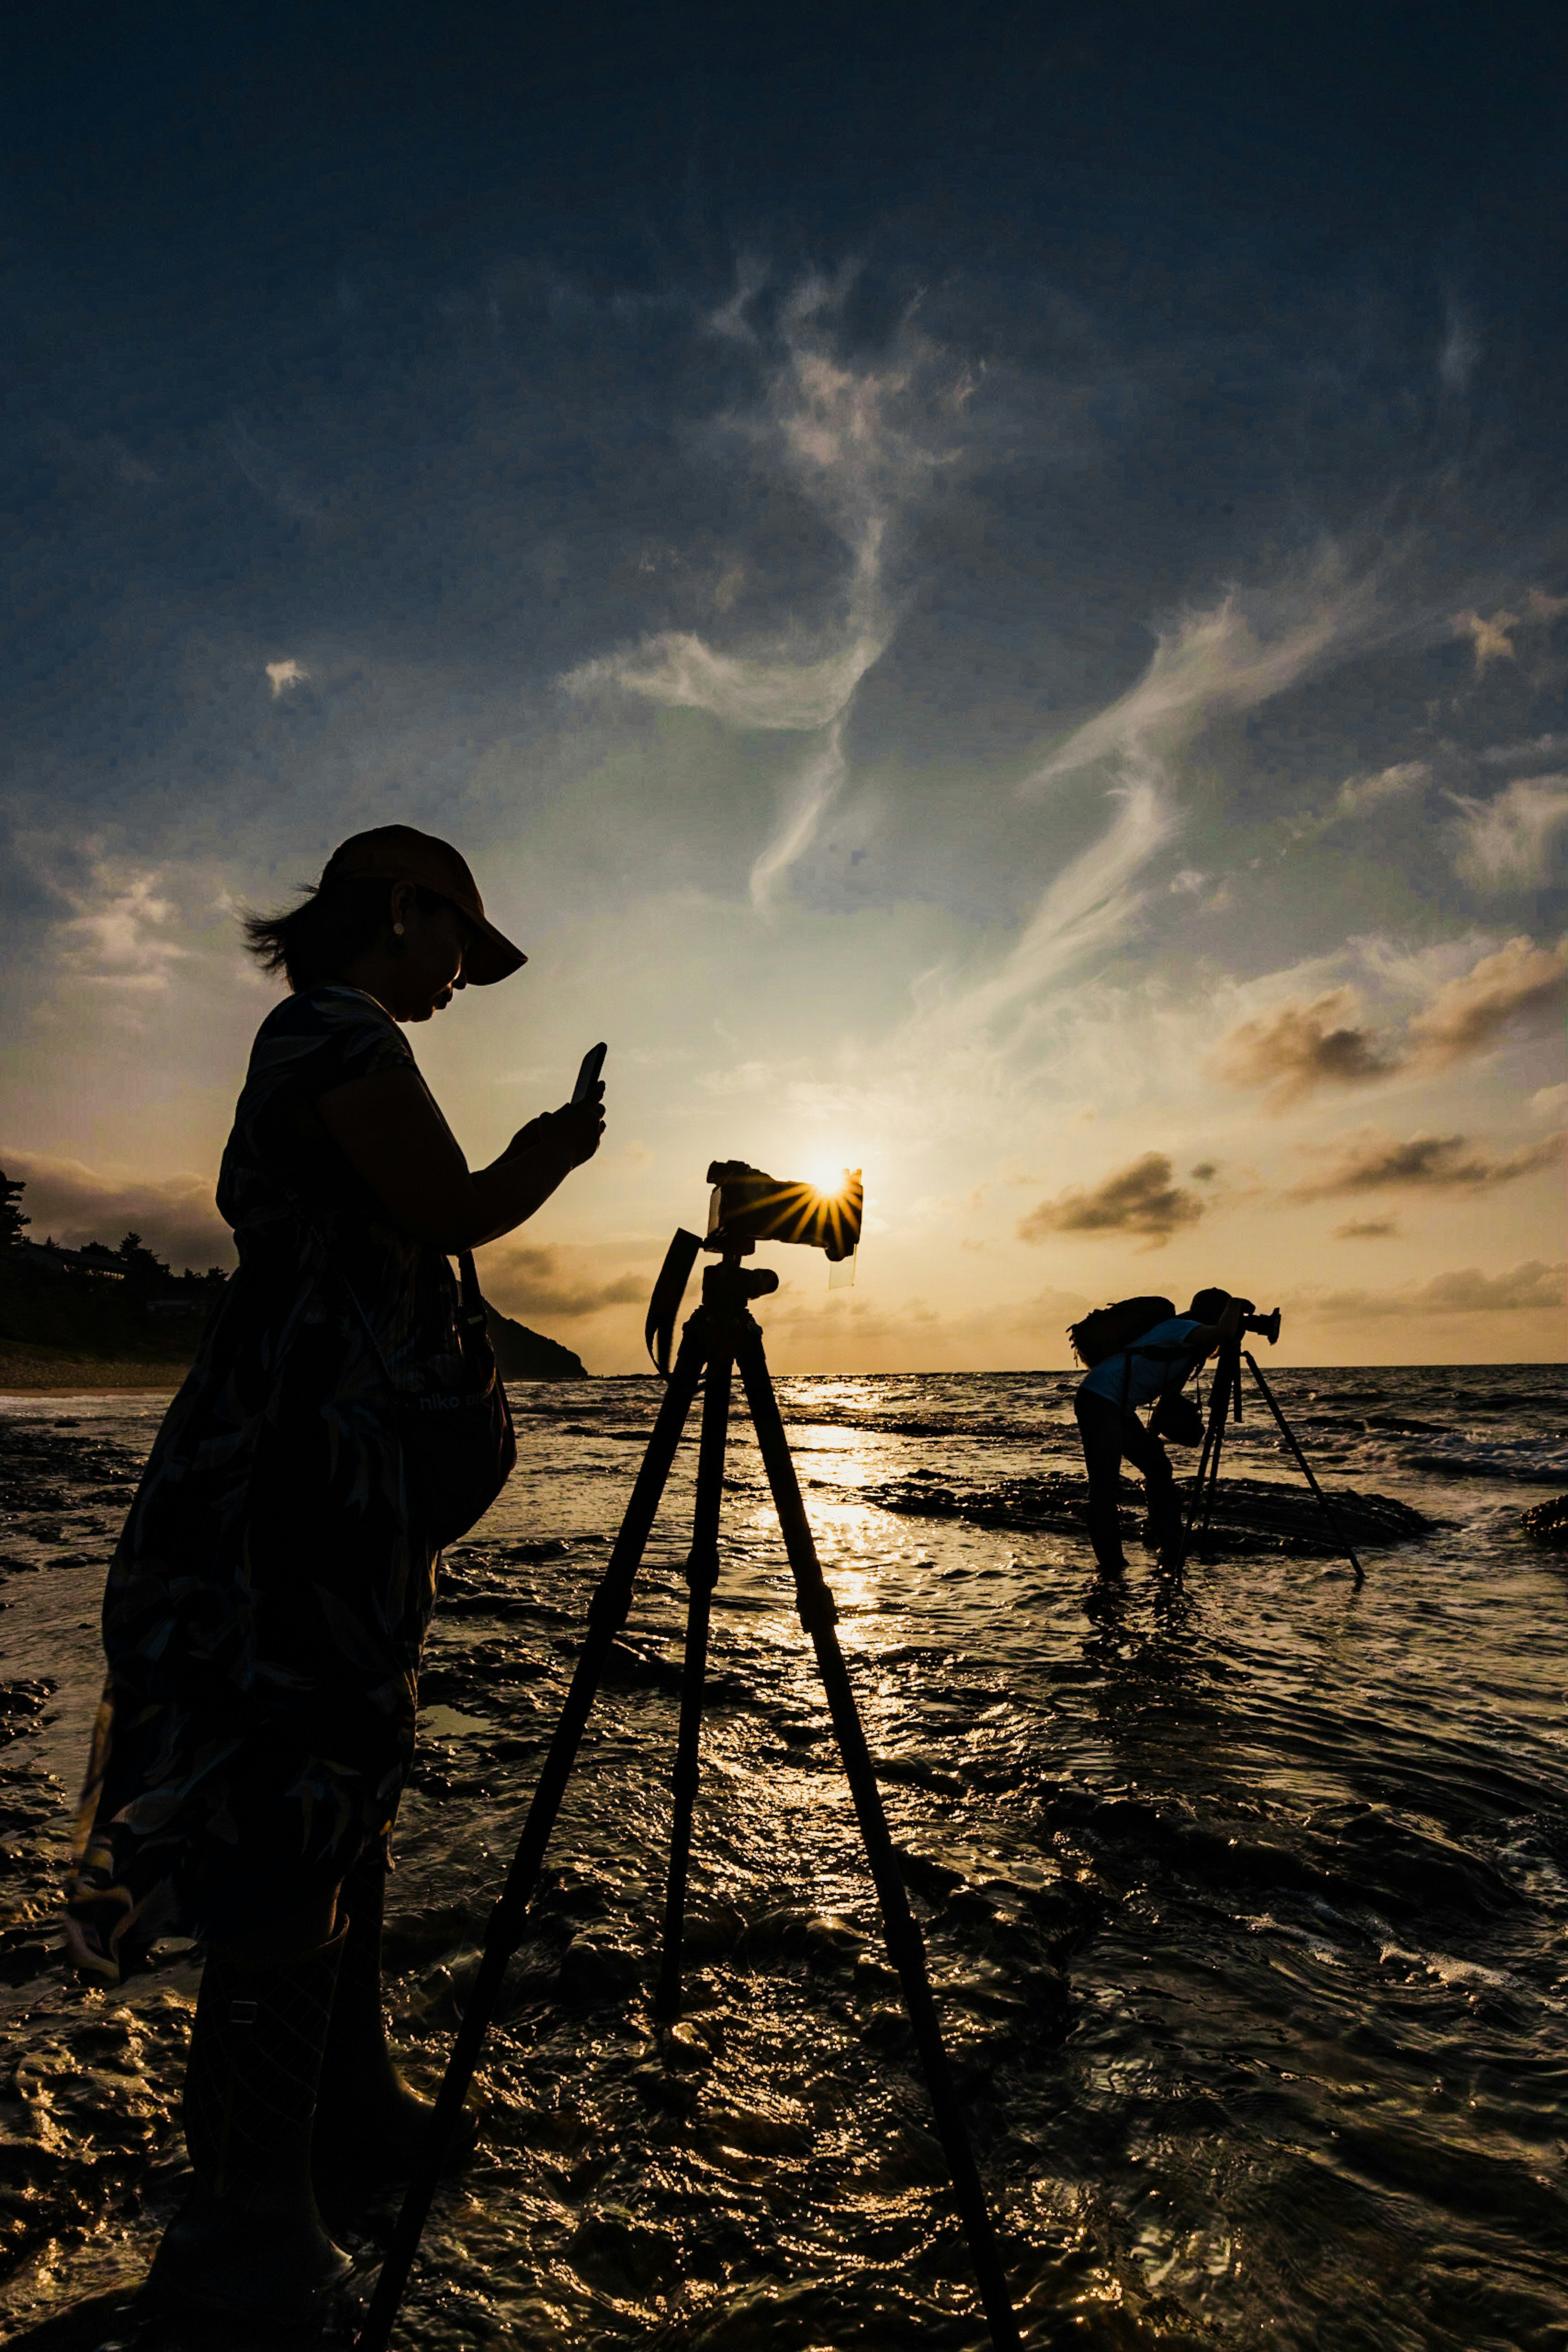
(1111, 1328)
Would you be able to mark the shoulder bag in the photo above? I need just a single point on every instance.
(459, 1446)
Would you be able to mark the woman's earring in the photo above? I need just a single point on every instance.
(397, 930)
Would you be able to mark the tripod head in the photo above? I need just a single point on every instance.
(749, 1206)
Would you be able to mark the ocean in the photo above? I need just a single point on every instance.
(1244, 1898)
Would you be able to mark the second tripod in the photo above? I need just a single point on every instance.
(721, 1338)
(1225, 1401)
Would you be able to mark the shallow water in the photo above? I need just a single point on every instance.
(1245, 1904)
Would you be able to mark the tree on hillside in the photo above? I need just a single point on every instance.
(11, 1219)
(140, 1263)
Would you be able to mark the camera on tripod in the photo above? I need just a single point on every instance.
(749, 1206)
(1265, 1325)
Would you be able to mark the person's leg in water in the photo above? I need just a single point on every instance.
(369, 2123)
(247, 2242)
(1146, 1453)
(1102, 1425)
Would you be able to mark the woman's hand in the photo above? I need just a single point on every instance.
(580, 1126)
(576, 1128)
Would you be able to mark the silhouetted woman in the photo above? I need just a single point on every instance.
(268, 1599)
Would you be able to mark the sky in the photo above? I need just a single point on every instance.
(987, 594)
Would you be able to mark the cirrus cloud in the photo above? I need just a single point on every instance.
(1507, 842)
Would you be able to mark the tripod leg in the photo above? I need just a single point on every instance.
(701, 1575)
(1289, 1434)
(905, 1948)
(1206, 1486)
(606, 1615)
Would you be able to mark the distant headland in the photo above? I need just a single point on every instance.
(97, 1317)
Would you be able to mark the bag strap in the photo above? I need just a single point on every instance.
(471, 1303)
(659, 1330)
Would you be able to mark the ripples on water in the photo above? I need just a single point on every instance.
(1246, 1906)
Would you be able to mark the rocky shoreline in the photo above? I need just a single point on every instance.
(47, 1372)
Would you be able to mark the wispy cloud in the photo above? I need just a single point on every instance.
(813, 790)
(1511, 755)
(1360, 792)
(1507, 843)
(1141, 1199)
(1090, 904)
(1244, 650)
(859, 444)
(1370, 1161)
(1491, 636)
(118, 936)
(283, 675)
(682, 671)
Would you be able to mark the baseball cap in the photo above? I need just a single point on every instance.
(397, 853)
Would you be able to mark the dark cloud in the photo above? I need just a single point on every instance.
(176, 1215)
(1138, 1199)
(1298, 1048)
(555, 1285)
(1524, 1289)
(1370, 1161)
(1367, 1229)
(1520, 981)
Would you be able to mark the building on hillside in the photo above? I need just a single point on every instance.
(47, 1257)
(94, 1258)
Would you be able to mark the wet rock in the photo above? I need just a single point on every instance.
(1250, 1515)
(1547, 1523)
(910, 2157)
(686, 2046)
(21, 1703)
(621, 2254)
(712, 1928)
(594, 1970)
(781, 2128)
(831, 1942)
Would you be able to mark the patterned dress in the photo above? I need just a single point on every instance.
(267, 1600)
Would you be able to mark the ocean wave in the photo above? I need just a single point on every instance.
(1527, 1461)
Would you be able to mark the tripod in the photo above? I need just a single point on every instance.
(719, 1337)
(1225, 1396)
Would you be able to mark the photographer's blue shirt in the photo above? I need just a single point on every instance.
(1136, 1375)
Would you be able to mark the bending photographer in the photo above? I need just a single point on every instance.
(268, 1599)
(1157, 1361)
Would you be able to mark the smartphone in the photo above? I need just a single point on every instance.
(588, 1076)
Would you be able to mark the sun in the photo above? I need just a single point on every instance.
(825, 1171)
